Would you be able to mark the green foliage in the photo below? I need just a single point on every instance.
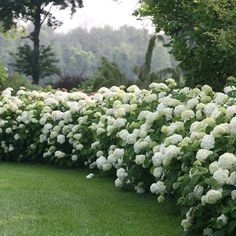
(16, 81)
(38, 12)
(202, 36)
(47, 61)
(11, 11)
(3, 75)
(107, 75)
(79, 51)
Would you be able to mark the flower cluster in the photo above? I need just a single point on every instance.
(172, 142)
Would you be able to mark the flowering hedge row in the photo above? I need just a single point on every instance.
(172, 142)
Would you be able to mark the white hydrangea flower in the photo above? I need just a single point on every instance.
(207, 89)
(90, 176)
(170, 152)
(232, 178)
(186, 224)
(118, 183)
(118, 153)
(131, 139)
(150, 98)
(61, 138)
(211, 197)
(11, 148)
(209, 121)
(74, 158)
(16, 136)
(157, 159)
(222, 218)
(221, 176)
(196, 136)
(192, 103)
(227, 161)
(8, 130)
(111, 159)
(158, 188)
(198, 191)
(220, 98)
(161, 199)
(233, 194)
(121, 174)
(59, 154)
(179, 110)
(215, 114)
(174, 139)
(230, 111)
(207, 232)
(139, 159)
(167, 112)
(187, 115)
(220, 130)
(140, 188)
(99, 153)
(100, 162)
(158, 86)
(203, 154)
(158, 172)
(208, 142)
(233, 126)
(213, 167)
(209, 108)
(185, 142)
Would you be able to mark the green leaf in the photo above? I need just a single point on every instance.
(231, 226)
(219, 233)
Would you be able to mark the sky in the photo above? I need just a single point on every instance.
(98, 13)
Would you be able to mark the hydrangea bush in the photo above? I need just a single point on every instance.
(173, 142)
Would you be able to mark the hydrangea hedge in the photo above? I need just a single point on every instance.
(177, 143)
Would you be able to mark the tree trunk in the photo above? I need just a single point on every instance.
(35, 39)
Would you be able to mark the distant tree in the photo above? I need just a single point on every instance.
(107, 75)
(145, 75)
(47, 61)
(38, 12)
(146, 67)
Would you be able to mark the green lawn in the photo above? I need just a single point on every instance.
(44, 200)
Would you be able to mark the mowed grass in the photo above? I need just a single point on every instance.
(44, 200)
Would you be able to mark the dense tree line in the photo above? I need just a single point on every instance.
(79, 52)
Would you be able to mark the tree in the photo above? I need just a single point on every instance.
(202, 36)
(107, 75)
(38, 12)
(146, 67)
(47, 61)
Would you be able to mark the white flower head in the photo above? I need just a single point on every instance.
(208, 142)
(211, 197)
(203, 154)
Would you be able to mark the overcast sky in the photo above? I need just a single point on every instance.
(97, 13)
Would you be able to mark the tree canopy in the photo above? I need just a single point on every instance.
(202, 36)
(11, 11)
(39, 13)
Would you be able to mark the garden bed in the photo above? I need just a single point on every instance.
(176, 143)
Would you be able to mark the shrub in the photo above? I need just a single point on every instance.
(3, 75)
(69, 82)
(172, 142)
(17, 81)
